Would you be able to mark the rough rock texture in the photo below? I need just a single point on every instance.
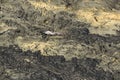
(91, 32)
(19, 65)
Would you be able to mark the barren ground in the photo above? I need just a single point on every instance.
(89, 48)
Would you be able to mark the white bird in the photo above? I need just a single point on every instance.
(49, 33)
(52, 33)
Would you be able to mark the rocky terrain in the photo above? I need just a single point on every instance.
(88, 49)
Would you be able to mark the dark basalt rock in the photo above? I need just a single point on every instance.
(18, 65)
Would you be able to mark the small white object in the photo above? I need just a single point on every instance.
(52, 33)
(49, 33)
